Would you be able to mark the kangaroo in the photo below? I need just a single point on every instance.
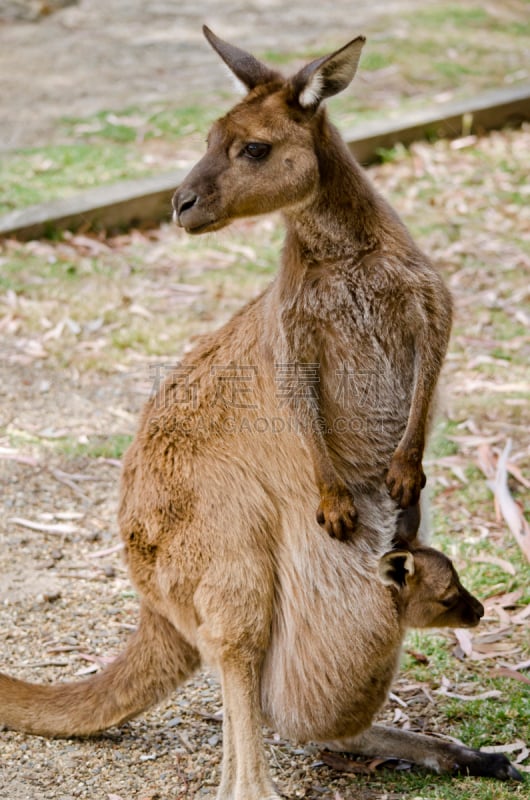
(323, 676)
(316, 395)
(355, 327)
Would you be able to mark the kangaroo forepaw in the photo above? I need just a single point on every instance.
(405, 480)
(337, 513)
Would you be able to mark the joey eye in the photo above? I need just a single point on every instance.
(449, 602)
(256, 150)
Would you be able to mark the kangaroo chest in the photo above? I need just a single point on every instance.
(352, 346)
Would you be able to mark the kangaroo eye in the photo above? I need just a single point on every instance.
(256, 150)
(448, 602)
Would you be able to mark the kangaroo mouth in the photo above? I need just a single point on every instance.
(196, 229)
(203, 227)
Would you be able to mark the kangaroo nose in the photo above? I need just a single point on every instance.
(183, 201)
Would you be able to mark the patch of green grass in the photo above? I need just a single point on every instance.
(135, 124)
(458, 16)
(517, 28)
(519, 198)
(113, 446)
(389, 155)
(105, 148)
(482, 578)
(505, 326)
(282, 58)
(376, 59)
(451, 69)
(503, 720)
(19, 438)
(439, 444)
(42, 174)
(142, 337)
(34, 275)
(419, 785)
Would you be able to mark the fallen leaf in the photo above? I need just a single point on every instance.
(490, 695)
(101, 661)
(87, 243)
(140, 311)
(486, 460)
(523, 755)
(498, 562)
(474, 441)
(464, 640)
(400, 718)
(504, 748)
(7, 454)
(421, 658)
(492, 636)
(59, 528)
(344, 764)
(508, 600)
(485, 386)
(106, 551)
(87, 670)
(485, 654)
(514, 470)
(503, 672)
(492, 648)
(397, 699)
(32, 348)
(520, 665)
(511, 512)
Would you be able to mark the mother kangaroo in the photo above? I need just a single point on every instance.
(307, 410)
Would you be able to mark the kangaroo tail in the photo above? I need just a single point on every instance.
(156, 660)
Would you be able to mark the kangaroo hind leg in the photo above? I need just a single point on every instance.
(426, 751)
(234, 603)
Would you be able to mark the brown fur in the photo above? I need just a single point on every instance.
(354, 295)
(219, 492)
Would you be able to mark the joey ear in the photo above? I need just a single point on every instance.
(327, 76)
(244, 66)
(395, 567)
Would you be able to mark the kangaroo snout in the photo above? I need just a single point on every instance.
(183, 200)
(478, 610)
(471, 611)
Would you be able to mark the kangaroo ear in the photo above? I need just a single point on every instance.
(395, 567)
(245, 67)
(327, 76)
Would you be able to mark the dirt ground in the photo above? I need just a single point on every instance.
(110, 54)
